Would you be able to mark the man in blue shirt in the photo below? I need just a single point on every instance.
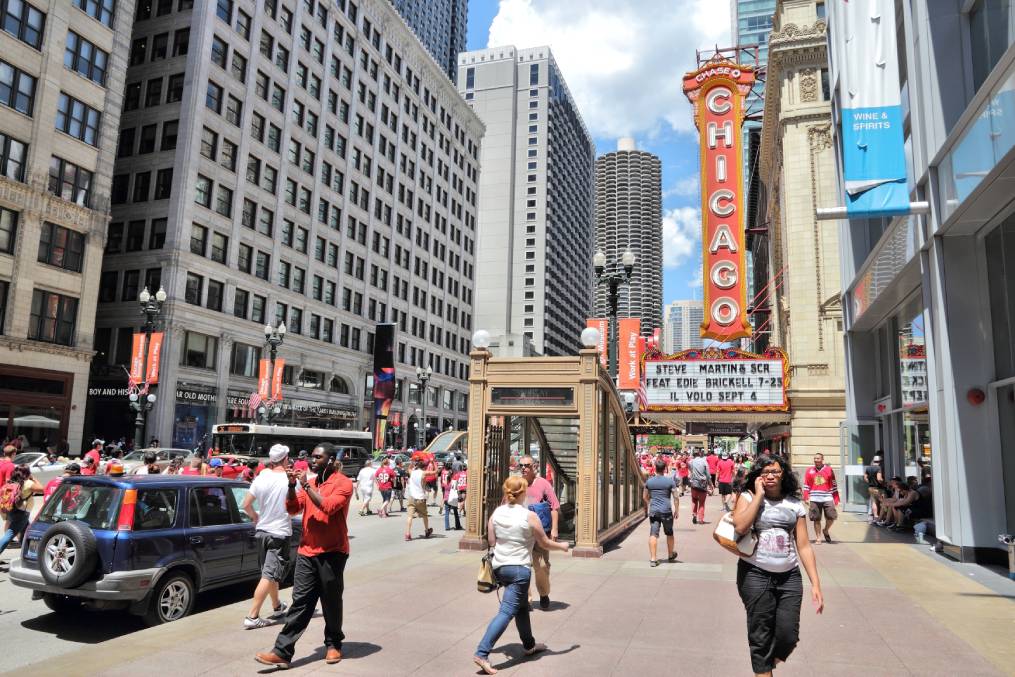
(662, 506)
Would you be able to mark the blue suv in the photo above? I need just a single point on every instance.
(146, 543)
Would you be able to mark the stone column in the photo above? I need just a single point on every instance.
(589, 414)
(474, 538)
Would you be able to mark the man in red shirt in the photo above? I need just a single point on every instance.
(323, 552)
(713, 463)
(385, 478)
(7, 463)
(683, 473)
(95, 453)
(822, 495)
(724, 470)
(70, 470)
(301, 463)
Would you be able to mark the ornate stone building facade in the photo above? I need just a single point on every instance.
(797, 170)
(62, 69)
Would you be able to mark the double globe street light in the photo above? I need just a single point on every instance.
(423, 376)
(151, 306)
(613, 280)
(273, 338)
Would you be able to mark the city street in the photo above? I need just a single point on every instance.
(892, 608)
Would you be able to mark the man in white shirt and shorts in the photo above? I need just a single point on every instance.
(417, 501)
(273, 530)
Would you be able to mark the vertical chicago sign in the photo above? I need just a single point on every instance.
(717, 91)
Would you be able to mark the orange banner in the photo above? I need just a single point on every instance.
(628, 330)
(276, 380)
(137, 360)
(264, 380)
(603, 325)
(154, 351)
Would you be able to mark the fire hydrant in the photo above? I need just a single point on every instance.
(1009, 540)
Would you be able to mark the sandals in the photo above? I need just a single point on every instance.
(484, 665)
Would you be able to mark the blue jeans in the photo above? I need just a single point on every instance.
(447, 515)
(514, 603)
(18, 524)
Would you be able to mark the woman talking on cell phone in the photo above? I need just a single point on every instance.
(769, 580)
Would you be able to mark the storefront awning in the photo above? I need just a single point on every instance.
(752, 419)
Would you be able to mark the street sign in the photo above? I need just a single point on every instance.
(717, 380)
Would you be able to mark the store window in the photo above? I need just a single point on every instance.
(1000, 248)
(199, 351)
(914, 422)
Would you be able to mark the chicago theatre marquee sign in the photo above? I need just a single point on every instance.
(717, 91)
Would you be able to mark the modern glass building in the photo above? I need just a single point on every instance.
(930, 298)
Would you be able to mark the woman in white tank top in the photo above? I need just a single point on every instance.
(512, 531)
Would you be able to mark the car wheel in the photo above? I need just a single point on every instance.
(67, 554)
(61, 603)
(172, 599)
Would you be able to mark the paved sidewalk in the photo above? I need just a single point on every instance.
(892, 608)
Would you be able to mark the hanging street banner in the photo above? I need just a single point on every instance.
(154, 353)
(717, 380)
(384, 379)
(629, 331)
(874, 157)
(137, 363)
(602, 324)
(717, 91)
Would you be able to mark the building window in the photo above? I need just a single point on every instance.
(12, 157)
(61, 247)
(131, 279)
(245, 360)
(23, 21)
(8, 231)
(135, 236)
(142, 186)
(174, 90)
(262, 265)
(224, 10)
(146, 144)
(17, 89)
(216, 293)
(213, 97)
(85, 58)
(219, 247)
(257, 309)
(77, 119)
(244, 258)
(241, 298)
(52, 318)
(198, 239)
(70, 182)
(202, 191)
(157, 238)
(100, 10)
(195, 285)
(170, 131)
(199, 351)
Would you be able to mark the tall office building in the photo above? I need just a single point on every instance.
(534, 259)
(296, 161)
(682, 326)
(62, 75)
(629, 216)
(441, 26)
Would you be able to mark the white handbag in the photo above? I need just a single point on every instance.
(453, 498)
(726, 535)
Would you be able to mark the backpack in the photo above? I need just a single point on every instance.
(543, 512)
(10, 496)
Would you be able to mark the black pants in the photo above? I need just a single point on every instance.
(772, 601)
(316, 578)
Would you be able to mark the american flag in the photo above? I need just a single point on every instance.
(254, 402)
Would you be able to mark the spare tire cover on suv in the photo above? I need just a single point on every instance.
(67, 554)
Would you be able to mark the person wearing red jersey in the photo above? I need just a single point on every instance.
(822, 495)
(7, 463)
(301, 463)
(713, 462)
(683, 473)
(724, 470)
(95, 454)
(70, 470)
(321, 558)
(385, 479)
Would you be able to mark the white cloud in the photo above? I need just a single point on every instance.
(681, 235)
(698, 280)
(623, 60)
(685, 187)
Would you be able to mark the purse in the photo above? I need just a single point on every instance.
(453, 498)
(485, 580)
(725, 534)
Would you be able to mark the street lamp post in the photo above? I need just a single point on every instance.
(613, 282)
(423, 376)
(273, 338)
(151, 306)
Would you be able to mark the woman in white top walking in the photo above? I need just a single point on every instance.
(512, 531)
(769, 580)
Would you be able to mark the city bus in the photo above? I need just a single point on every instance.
(253, 441)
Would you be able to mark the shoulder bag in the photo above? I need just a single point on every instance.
(726, 535)
(485, 580)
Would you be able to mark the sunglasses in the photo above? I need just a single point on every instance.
(524, 465)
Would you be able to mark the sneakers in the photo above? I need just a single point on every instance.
(428, 533)
(255, 623)
(694, 519)
(279, 612)
(544, 603)
(535, 648)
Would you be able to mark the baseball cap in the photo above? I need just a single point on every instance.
(877, 459)
(98, 440)
(277, 453)
(72, 467)
(216, 463)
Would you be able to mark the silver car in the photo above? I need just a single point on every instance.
(134, 461)
(42, 469)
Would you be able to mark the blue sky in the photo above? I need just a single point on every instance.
(623, 61)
